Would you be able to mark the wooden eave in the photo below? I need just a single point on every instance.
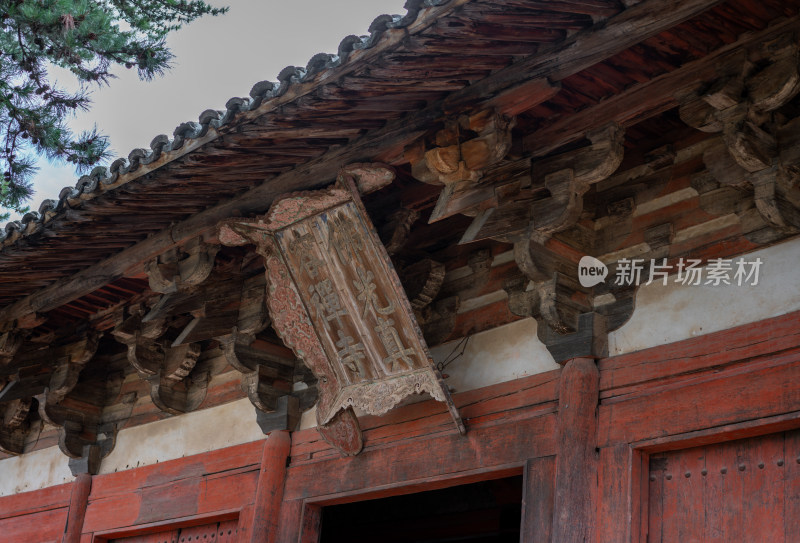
(330, 103)
(580, 90)
(441, 60)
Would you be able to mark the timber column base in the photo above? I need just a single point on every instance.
(576, 460)
(78, 502)
(269, 493)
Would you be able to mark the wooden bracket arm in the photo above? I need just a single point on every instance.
(175, 389)
(566, 178)
(167, 368)
(267, 375)
(10, 342)
(369, 176)
(67, 370)
(16, 423)
(459, 155)
(184, 270)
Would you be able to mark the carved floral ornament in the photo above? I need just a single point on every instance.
(336, 301)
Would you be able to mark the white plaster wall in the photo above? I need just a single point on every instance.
(193, 433)
(675, 312)
(501, 354)
(664, 314)
(34, 470)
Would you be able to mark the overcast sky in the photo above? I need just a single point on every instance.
(216, 58)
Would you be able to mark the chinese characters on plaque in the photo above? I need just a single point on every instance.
(335, 299)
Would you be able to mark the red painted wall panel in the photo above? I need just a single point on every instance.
(725, 386)
(42, 527)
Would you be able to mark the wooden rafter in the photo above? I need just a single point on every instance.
(593, 45)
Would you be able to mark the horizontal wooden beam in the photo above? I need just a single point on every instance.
(584, 49)
(648, 99)
(631, 26)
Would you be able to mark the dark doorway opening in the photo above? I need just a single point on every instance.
(485, 512)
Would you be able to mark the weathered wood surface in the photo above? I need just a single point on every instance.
(15, 426)
(458, 161)
(620, 478)
(335, 299)
(513, 424)
(538, 499)
(394, 134)
(269, 492)
(45, 525)
(585, 49)
(759, 147)
(474, 295)
(737, 491)
(631, 374)
(648, 98)
(78, 502)
(576, 460)
(566, 177)
(215, 483)
(166, 368)
(31, 502)
(708, 393)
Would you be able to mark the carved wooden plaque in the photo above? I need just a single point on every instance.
(336, 300)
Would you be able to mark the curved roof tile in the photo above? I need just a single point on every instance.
(102, 179)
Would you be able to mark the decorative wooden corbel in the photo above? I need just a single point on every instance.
(84, 435)
(18, 418)
(459, 155)
(336, 301)
(74, 403)
(553, 293)
(174, 390)
(554, 200)
(70, 362)
(528, 212)
(570, 321)
(422, 282)
(177, 270)
(10, 342)
(141, 338)
(267, 369)
(425, 281)
(438, 320)
(168, 369)
(398, 229)
(759, 149)
(267, 373)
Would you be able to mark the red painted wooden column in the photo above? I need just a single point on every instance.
(269, 493)
(576, 461)
(78, 501)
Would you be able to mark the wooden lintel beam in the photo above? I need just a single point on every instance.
(645, 100)
(631, 26)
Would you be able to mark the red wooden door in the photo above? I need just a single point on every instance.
(746, 490)
(216, 532)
